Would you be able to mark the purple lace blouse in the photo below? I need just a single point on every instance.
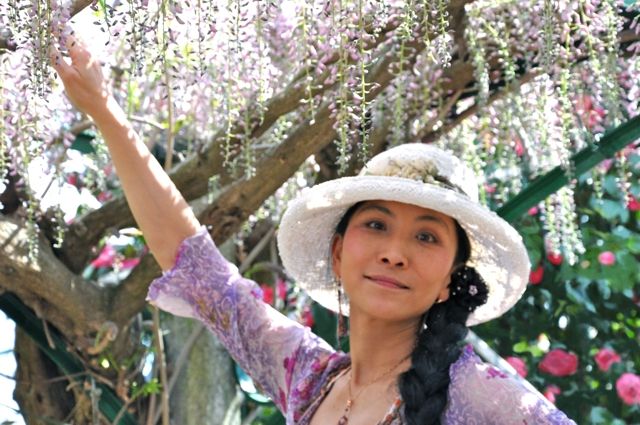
(296, 368)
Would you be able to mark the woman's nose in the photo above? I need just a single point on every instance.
(393, 255)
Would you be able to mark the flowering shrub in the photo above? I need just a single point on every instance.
(577, 326)
(605, 357)
(519, 365)
(559, 363)
(628, 388)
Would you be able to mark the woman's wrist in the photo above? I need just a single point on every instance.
(110, 113)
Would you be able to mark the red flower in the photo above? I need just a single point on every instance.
(267, 293)
(559, 363)
(518, 147)
(628, 388)
(72, 179)
(533, 211)
(129, 263)
(605, 358)
(555, 258)
(519, 365)
(281, 289)
(535, 277)
(633, 204)
(106, 258)
(607, 258)
(104, 196)
(550, 393)
(307, 317)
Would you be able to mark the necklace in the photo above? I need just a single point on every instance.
(344, 419)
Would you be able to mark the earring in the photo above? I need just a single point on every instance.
(341, 330)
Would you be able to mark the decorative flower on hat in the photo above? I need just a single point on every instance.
(424, 171)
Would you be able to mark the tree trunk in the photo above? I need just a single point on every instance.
(42, 397)
(205, 387)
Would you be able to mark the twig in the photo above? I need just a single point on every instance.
(147, 121)
(233, 406)
(182, 358)
(47, 333)
(152, 402)
(256, 250)
(252, 415)
(163, 366)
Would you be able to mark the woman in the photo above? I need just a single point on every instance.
(404, 249)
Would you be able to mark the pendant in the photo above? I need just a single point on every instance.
(344, 419)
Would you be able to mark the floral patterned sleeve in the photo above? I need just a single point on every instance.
(481, 394)
(204, 285)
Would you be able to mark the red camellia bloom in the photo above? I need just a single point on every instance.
(129, 263)
(307, 317)
(106, 258)
(555, 258)
(519, 365)
(628, 388)
(605, 358)
(536, 275)
(559, 363)
(267, 293)
(550, 393)
(607, 258)
(633, 204)
(281, 289)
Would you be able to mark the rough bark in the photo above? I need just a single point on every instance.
(39, 391)
(206, 387)
(76, 307)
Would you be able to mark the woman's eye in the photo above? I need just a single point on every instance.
(426, 237)
(374, 224)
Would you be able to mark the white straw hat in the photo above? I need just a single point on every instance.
(415, 174)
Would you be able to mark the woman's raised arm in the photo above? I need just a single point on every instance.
(158, 207)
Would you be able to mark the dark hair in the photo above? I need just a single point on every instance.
(424, 385)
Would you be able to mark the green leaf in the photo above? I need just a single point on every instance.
(82, 143)
(579, 296)
(610, 209)
(600, 415)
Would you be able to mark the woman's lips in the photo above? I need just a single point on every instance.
(387, 282)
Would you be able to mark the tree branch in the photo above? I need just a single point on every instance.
(191, 176)
(74, 306)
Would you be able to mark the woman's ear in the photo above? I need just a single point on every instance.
(444, 293)
(336, 254)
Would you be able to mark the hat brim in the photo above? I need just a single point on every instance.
(308, 226)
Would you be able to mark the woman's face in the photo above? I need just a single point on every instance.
(395, 259)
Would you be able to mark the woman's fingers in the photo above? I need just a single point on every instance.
(82, 78)
(57, 61)
(78, 52)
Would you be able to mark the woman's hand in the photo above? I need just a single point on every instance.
(83, 80)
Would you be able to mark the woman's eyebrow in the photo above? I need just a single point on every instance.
(377, 207)
(434, 219)
(425, 217)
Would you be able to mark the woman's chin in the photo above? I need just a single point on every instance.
(386, 310)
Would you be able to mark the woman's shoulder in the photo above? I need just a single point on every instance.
(481, 392)
(317, 372)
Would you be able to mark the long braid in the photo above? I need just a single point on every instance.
(424, 386)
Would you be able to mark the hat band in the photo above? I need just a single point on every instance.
(426, 173)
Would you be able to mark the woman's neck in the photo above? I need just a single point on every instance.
(379, 348)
